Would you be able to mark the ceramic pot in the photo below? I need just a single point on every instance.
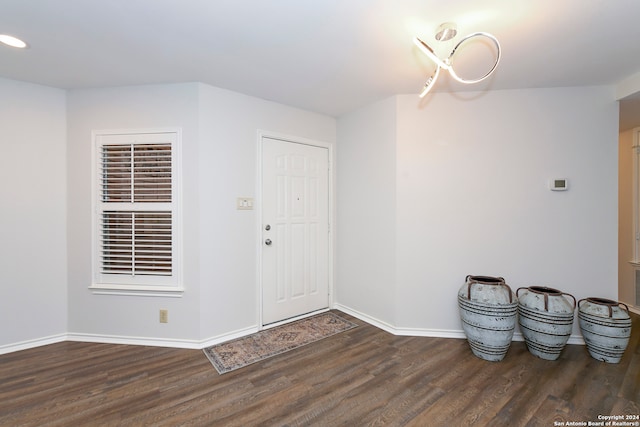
(606, 328)
(488, 310)
(546, 320)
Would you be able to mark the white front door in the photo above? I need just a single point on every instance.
(295, 229)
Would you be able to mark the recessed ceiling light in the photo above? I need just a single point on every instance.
(12, 41)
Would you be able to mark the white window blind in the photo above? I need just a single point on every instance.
(136, 233)
(136, 243)
(136, 173)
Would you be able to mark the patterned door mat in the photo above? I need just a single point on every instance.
(235, 354)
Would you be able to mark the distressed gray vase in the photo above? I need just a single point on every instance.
(488, 310)
(606, 328)
(546, 320)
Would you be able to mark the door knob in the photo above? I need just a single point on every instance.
(267, 227)
(267, 242)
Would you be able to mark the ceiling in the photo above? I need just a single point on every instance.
(329, 56)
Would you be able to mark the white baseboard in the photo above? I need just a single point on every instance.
(576, 339)
(434, 333)
(412, 332)
(366, 318)
(229, 336)
(162, 342)
(423, 332)
(116, 339)
(25, 345)
(200, 344)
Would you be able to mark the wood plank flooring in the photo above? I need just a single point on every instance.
(362, 377)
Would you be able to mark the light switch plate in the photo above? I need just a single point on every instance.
(244, 203)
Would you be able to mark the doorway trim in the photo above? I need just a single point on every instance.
(258, 205)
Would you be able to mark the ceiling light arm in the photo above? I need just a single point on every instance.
(495, 64)
(430, 82)
(426, 49)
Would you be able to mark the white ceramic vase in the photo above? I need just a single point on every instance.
(546, 320)
(488, 310)
(606, 328)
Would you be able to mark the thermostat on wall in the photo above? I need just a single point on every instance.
(559, 184)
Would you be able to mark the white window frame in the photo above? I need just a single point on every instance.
(149, 285)
(636, 197)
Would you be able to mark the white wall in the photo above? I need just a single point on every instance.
(471, 197)
(427, 194)
(139, 107)
(220, 145)
(229, 124)
(626, 272)
(33, 261)
(367, 211)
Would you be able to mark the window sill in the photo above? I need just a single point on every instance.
(145, 291)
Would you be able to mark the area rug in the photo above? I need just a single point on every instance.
(235, 354)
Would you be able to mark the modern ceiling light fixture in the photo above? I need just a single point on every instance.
(12, 41)
(448, 31)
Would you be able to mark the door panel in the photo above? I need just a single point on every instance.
(295, 223)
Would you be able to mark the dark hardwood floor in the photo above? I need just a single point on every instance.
(361, 377)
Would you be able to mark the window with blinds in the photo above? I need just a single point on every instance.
(136, 243)
(136, 210)
(135, 173)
